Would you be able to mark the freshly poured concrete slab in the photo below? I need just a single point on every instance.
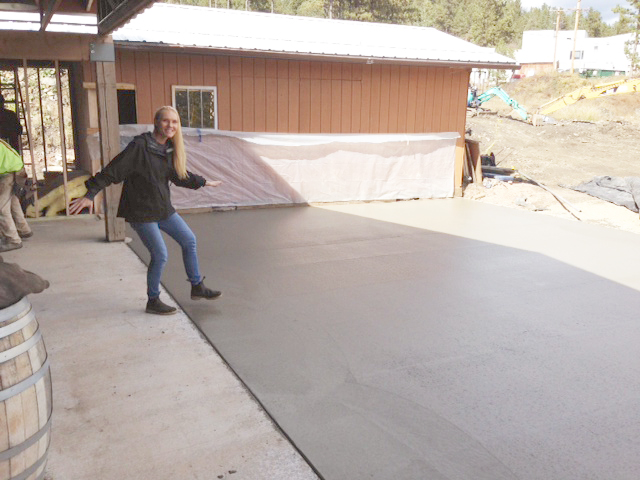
(137, 396)
(385, 349)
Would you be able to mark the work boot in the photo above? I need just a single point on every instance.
(201, 291)
(157, 307)
(6, 247)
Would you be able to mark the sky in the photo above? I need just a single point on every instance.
(603, 6)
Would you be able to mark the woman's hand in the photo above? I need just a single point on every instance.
(79, 204)
(213, 183)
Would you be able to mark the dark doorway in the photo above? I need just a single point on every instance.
(127, 107)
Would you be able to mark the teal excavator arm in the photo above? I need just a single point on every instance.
(475, 101)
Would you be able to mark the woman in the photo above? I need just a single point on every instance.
(146, 166)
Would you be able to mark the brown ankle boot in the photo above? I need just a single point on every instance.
(201, 291)
(157, 307)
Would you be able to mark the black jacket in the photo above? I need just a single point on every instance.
(146, 171)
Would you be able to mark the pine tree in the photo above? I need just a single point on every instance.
(383, 11)
(594, 25)
(493, 23)
(630, 20)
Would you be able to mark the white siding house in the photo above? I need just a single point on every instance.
(598, 56)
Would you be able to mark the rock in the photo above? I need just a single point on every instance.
(16, 283)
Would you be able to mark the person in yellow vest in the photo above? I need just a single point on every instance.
(10, 128)
(13, 225)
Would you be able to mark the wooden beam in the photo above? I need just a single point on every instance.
(109, 143)
(45, 17)
(45, 46)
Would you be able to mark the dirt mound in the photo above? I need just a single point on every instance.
(535, 91)
(558, 156)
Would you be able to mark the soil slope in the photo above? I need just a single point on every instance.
(559, 156)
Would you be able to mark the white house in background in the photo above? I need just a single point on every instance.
(595, 56)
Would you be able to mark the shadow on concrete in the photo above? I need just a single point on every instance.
(391, 352)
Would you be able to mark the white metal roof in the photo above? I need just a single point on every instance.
(241, 31)
(64, 23)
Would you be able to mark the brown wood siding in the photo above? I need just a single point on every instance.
(403, 100)
(170, 75)
(412, 100)
(260, 95)
(304, 125)
(143, 95)
(295, 96)
(283, 96)
(157, 81)
(271, 92)
(248, 89)
(224, 98)
(235, 72)
(316, 97)
(301, 96)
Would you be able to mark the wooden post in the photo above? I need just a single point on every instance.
(63, 139)
(473, 148)
(109, 143)
(44, 130)
(27, 121)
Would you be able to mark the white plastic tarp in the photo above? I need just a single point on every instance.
(273, 169)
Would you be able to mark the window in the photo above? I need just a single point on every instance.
(197, 106)
(127, 107)
(579, 54)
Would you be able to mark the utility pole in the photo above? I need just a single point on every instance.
(555, 48)
(575, 35)
(634, 62)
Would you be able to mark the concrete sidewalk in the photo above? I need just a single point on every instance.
(135, 395)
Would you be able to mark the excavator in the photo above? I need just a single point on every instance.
(474, 100)
(540, 116)
(594, 91)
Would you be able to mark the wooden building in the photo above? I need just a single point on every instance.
(255, 72)
(277, 73)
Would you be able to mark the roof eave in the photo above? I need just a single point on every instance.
(314, 56)
(113, 14)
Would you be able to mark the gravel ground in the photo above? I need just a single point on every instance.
(558, 156)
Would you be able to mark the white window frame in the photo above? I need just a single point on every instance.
(190, 88)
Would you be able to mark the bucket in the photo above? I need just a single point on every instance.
(25, 395)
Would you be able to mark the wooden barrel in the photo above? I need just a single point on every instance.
(25, 395)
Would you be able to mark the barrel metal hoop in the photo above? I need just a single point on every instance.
(13, 451)
(41, 476)
(19, 325)
(26, 383)
(18, 309)
(33, 468)
(20, 349)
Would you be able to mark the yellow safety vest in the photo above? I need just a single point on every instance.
(10, 160)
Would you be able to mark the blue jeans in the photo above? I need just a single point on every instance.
(151, 236)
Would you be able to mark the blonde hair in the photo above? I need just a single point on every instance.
(179, 153)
